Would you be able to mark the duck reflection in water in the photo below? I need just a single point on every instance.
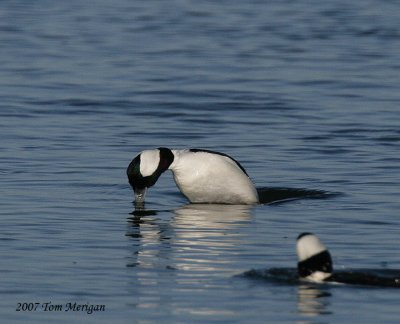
(313, 300)
(191, 236)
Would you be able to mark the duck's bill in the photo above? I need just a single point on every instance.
(140, 194)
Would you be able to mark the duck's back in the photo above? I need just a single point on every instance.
(211, 177)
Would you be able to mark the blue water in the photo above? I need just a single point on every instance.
(305, 94)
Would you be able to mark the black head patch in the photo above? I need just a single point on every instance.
(136, 179)
(319, 262)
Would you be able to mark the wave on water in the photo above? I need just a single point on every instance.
(359, 277)
(276, 195)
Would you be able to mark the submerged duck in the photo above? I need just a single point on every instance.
(315, 264)
(203, 176)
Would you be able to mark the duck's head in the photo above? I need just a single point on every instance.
(314, 260)
(145, 169)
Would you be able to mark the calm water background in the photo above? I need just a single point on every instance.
(302, 93)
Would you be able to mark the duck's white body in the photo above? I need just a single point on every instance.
(202, 176)
(205, 177)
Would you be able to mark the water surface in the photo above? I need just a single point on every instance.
(303, 94)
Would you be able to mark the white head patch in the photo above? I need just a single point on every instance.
(308, 246)
(149, 161)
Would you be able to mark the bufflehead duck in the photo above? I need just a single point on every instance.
(203, 176)
(315, 264)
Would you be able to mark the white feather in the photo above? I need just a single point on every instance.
(318, 276)
(308, 246)
(149, 161)
(211, 178)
